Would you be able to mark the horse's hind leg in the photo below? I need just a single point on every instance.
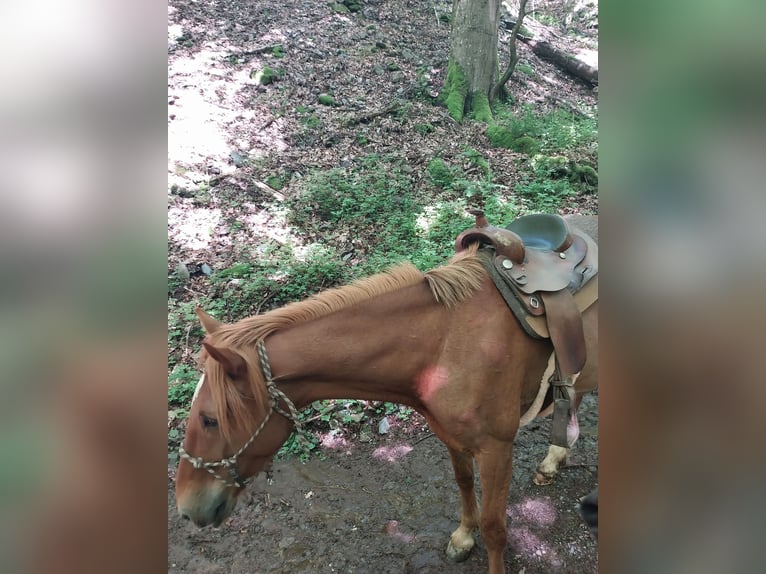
(461, 542)
(549, 467)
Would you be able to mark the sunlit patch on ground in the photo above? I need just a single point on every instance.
(392, 529)
(391, 453)
(531, 547)
(192, 228)
(536, 511)
(334, 440)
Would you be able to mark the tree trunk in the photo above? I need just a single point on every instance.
(473, 58)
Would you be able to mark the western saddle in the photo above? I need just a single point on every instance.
(547, 274)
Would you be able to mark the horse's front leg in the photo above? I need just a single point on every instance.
(461, 542)
(495, 464)
(549, 467)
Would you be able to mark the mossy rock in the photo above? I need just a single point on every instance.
(556, 166)
(265, 76)
(525, 144)
(326, 100)
(500, 137)
(585, 173)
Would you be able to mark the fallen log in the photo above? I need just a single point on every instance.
(566, 62)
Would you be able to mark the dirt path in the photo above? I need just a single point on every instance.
(387, 504)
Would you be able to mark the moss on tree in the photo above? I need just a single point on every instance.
(455, 91)
(481, 109)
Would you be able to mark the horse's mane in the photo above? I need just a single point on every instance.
(449, 284)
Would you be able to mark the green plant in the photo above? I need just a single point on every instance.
(424, 129)
(546, 195)
(181, 384)
(441, 174)
(525, 69)
(326, 100)
(374, 194)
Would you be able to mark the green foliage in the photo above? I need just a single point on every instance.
(375, 193)
(424, 129)
(441, 174)
(525, 144)
(475, 159)
(265, 76)
(326, 100)
(276, 182)
(557, 131)
(340, 8)
(181, 384)
(278, 51)
(525, 69)
(546, 194)
(353, 5)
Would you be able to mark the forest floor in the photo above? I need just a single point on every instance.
(238, 149)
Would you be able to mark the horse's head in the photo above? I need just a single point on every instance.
(231, 434)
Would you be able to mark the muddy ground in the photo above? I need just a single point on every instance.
(378, 504)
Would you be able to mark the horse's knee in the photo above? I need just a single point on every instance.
(494, 532)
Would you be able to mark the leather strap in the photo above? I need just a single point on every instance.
(566, 330)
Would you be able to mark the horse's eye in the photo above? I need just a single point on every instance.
(207, 422)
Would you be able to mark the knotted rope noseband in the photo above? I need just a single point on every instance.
(230, 463)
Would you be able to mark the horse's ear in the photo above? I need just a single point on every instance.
(210, 324)
(233, 363)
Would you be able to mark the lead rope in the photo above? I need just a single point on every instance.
(276, 395)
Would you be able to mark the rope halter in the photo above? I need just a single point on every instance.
(230, 463)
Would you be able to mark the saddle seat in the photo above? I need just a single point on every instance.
(537, 252)
(543, 231)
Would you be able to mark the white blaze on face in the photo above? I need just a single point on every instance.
(199, 386)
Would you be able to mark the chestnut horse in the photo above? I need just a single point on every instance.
(442, 342)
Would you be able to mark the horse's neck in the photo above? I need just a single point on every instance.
(370, 351)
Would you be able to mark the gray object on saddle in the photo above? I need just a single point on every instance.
(542, 231)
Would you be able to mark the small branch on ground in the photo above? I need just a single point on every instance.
(270, 190)
(365, 118)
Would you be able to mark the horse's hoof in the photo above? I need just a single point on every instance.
(458, 554)
(543, 479)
